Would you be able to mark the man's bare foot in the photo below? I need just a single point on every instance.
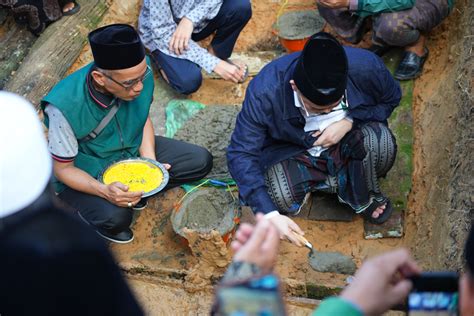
(379, 211)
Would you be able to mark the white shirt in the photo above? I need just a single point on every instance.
(158, 21)
(319, 122)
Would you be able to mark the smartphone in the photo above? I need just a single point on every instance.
(259, 296)
(434, 294)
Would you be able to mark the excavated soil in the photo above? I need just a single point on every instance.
(440, 202)
(213, 257)
(173, 276)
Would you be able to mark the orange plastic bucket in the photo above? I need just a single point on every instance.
(292, 46)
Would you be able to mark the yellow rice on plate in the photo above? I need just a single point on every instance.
(137, 175)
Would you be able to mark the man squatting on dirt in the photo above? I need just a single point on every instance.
(170, 30)
(120, 77)
(395, 23)
(316, 121)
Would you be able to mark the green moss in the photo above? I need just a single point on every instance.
(139, 270)
(320, 292)
(398, 182)
(145, 271)
(98, 13)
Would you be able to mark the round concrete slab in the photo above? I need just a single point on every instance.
(296, 25)
(206, 210)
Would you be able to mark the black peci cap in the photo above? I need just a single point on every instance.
(321, 71)
(116, 46)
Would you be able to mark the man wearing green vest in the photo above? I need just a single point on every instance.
(119, 80)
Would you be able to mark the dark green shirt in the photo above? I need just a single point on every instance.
(365, 8)
(120, 139)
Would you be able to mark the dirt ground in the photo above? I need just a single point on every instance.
(159, 264)
(440, 205)
(161, 255)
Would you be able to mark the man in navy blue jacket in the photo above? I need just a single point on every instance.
(316, 121)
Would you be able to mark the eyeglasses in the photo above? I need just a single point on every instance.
(129, 84)
(342, 103)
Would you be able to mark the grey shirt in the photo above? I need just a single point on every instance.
(62, 142)
(158, 21)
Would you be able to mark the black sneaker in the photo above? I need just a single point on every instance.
(140, 205)
(123, 237)
(411, 66)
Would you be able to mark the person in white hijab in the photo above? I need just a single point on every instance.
(25, 163)
(51, 262)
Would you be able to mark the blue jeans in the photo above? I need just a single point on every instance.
(184, 75)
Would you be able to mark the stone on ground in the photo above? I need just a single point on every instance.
(254, 60)
(326, 207)
(334, 262)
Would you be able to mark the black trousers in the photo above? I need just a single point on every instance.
(188, 163)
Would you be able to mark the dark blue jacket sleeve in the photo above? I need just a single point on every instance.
(243, 154)
(384, 90)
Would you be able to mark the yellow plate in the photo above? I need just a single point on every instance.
(139, 174)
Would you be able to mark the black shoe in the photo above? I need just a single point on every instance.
(140, 205)
(411, 66)
(123, 237)
(379, 50)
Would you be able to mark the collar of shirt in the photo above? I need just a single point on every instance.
(103, 100)
(297, 101)
(319, 122)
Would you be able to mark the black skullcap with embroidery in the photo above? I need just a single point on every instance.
(321, 71)
(116, 46)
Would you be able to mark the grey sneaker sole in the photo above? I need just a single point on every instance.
(115, 240)
(140, 208)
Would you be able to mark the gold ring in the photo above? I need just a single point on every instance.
(129, 204)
